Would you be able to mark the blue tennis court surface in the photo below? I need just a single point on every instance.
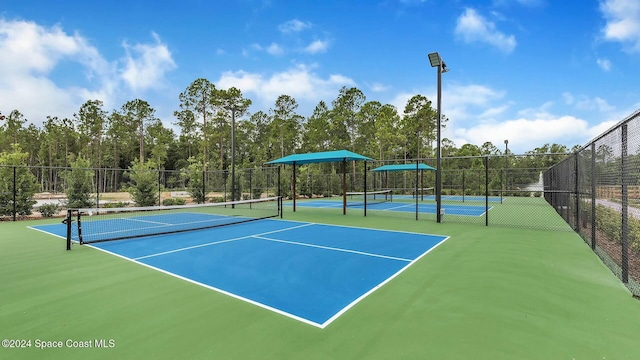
(310, 272)
(464, 210)
(474, 198)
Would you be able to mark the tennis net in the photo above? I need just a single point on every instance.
(105, 224)
(371, 197)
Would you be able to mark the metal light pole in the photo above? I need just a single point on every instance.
(436, 61)
(506, 164)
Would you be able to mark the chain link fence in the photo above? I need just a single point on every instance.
(594, 191)
(500, 190)
(597, 192)
(31, 192)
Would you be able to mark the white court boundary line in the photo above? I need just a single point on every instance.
(267, 307)
(224, 292)
(354, 302)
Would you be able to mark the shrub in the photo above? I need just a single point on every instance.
(257, 193)
(25, 186)
(49, 209)
(144, 192)
(79, 178)
(174, 201)
(193, 176)
(115, 204)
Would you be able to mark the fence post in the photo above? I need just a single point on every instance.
(97, 177)
(486, 191)
(204, 186)
(417, 174)
(625, 210)
(15, 190)
(463, 187)
(577, 193)
(159, 189)
(365, 188)
(593, 195)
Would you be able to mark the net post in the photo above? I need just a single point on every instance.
(79, 230)
(280, 207)
(67, 221)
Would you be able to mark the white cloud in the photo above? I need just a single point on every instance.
(299, 82)
(623, 22)
(585, 103)
(465, 103)
(471, 27)
(146, 67)
(30, 52)
(34, 70)
(378, 87)
(596, 103)
(294, 26)
(460, 103)
(317, 46)
(604, 64)
(527, 133)
(568, 98)
(528, 3)
(275, 49)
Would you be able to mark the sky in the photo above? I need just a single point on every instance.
(532, 72)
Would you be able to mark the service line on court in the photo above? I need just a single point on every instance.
(220, 242)
(332, 248)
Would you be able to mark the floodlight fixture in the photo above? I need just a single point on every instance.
(434, 59)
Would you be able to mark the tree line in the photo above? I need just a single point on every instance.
(133, 136)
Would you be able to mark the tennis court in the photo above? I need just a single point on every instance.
(309, 272)
(463, 198)
(399, 206)
(485, 293)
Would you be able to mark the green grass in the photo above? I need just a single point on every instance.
(486, 293)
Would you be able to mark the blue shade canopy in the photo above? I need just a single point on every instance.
(319, 157)
(403, 167)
